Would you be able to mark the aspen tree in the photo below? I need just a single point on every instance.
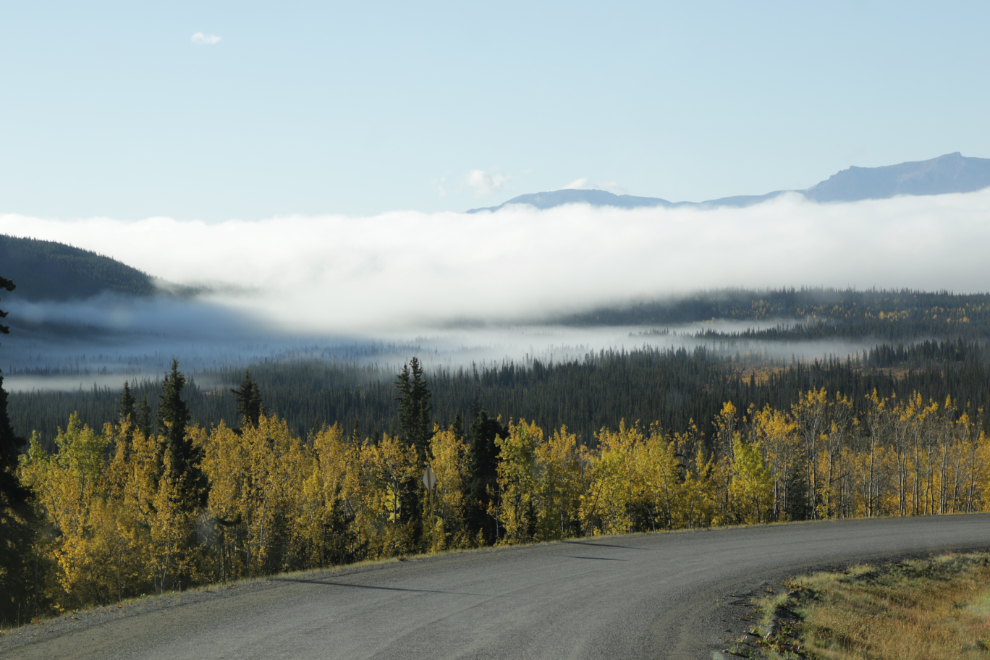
(810, 412)
(879, 423)
(66, 484)
(390, 469)
(515, 508)
(332, 498)
(662, 478)
(611, 477)
(839, 425)
(449, 462)
(752, 483)
(723, 460)
(775, 432)
(559, 483)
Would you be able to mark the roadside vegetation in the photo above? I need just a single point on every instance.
(916, 609)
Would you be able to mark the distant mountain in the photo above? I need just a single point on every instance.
(952, 173)
(47, 270)
(547, 200)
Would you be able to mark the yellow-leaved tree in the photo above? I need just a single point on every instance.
(255, 485)
(559, 484)
(331, 500)
(390, 476)
(613, 482)
(449, 462)
(514, 507)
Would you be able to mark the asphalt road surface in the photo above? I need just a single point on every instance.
(642, 596)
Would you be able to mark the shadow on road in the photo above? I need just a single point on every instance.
(601, 545)
(596, 558)
(328, 583)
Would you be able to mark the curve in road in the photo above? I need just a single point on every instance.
(642, 596)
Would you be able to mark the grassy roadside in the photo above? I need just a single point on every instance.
(924, 609)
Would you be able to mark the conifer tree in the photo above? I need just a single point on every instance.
(126, 404)
(415, 430)
(248, 400)
(143, 421)
(9, 286)
(15, 529)
(184, 458)
(10, 444)
(414, 408)
(483, 474)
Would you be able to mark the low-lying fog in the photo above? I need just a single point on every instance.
(105, 341)
(378, 288)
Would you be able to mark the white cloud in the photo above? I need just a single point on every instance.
(441, 186)
(484, 183)
(396, 269)
(201, 39)
(580, 184)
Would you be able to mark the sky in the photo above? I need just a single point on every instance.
(221, 111)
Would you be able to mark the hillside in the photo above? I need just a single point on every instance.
(951, 173)
(47, 270)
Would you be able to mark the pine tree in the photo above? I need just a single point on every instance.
(15, 527)
(126, 404)
(143, 421)
(184, 458)
(9, 286)
(414, 408)
(483, 474)
(248, 400)
(10, 444)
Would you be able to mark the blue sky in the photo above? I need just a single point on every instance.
(114, 109)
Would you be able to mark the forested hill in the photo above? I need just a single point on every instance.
(895, 315)
(47, 270)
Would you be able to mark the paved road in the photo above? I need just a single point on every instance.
(645, 596)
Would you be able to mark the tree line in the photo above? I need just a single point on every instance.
(116, 512)
(880, 313)
(670, 386)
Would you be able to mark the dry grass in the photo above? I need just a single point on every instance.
(918, 609)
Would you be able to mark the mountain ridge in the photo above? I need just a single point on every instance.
(951, 173)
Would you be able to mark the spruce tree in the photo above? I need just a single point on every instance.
(16, 533)
(11, 491)
(414, 408)
(414, 429)
(143, 419)
(483, 473)
(173, 416)
(126, 404)
(248, 400)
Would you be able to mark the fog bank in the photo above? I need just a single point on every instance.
(403, 269)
